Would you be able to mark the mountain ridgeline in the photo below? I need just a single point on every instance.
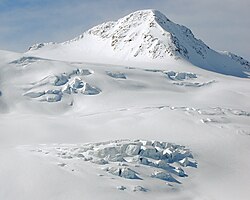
(147, 36)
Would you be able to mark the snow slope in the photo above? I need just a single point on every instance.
(163, 124)
(145, 35)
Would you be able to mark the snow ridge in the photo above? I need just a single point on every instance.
(150, 33)
(145, 35)
(238, 59)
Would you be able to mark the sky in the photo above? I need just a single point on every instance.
(222, 25)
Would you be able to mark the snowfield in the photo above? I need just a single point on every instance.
(137, 108)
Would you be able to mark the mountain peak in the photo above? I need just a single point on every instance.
(146, 15)
(149, 33)
(148, 36)
(151, 14)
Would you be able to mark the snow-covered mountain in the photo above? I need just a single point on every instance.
(161, 116)
(145, 35)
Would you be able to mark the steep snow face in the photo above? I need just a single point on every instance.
(152, 34)
(141, 33)
(145, 35)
